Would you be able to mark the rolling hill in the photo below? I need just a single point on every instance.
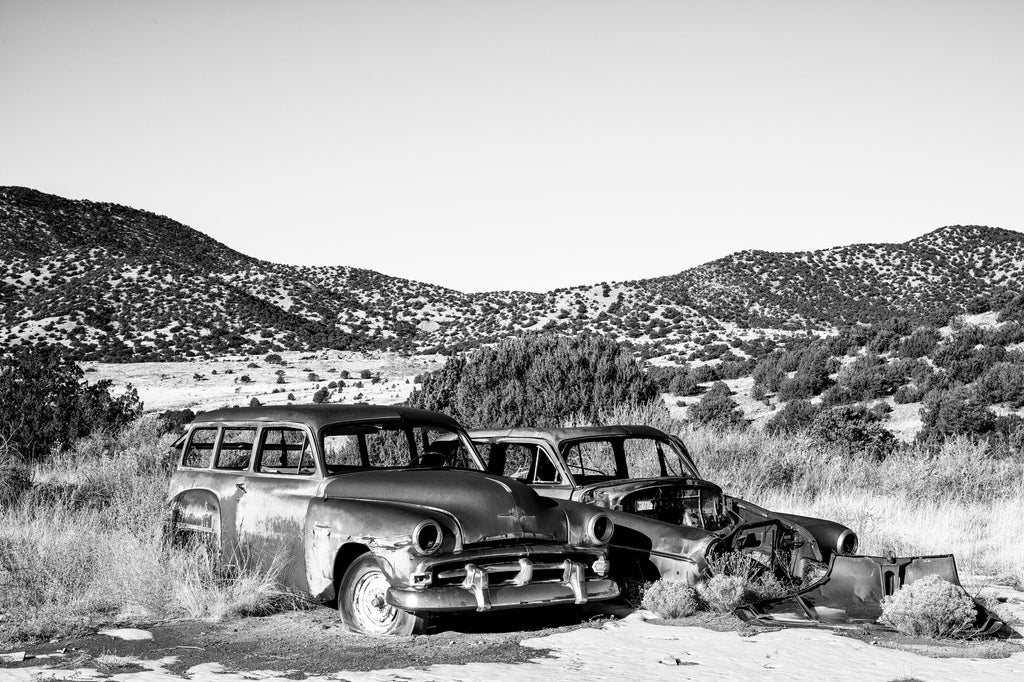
(122, 284)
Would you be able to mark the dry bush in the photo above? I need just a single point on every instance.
(759, 580)
(723, 593)
(14, 476)
(671, 599)
(205, 587)
(929, 607)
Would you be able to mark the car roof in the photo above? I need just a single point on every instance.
(319, 416)
(571, 433)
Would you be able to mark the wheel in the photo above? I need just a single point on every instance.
(362, 605)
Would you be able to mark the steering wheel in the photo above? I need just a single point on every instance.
(431, 458)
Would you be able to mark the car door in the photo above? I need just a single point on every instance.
(274, 499)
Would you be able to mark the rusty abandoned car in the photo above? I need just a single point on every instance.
(669, 521)
(385, 511)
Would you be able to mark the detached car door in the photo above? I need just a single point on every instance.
(274, 499)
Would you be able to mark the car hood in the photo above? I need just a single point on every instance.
(486, 508)
(611, 493)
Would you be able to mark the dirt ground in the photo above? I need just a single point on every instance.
(314, 642)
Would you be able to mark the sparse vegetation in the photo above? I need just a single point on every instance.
(671, 599)
(84, 545)
(929, 607)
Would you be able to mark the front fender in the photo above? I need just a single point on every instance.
(827, 534)
(384, 528)
(650, 549)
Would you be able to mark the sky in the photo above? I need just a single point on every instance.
(522, 144)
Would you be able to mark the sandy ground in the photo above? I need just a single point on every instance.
(305, 646)
(210, 384)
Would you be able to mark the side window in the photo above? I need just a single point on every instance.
(235, 449)
(526, 462)
(342, 451)
(545, 470)
(199, 452)
(285, 451)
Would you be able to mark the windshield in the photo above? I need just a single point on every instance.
(610, 458)
(395, 444)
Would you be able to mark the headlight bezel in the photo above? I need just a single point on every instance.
(431, 546)
(600, 529)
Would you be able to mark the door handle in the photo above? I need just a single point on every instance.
(240, 486)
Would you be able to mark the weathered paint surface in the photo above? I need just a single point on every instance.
(309, 526)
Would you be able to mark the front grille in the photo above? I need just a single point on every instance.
(537, 568)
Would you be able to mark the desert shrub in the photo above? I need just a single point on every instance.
(723, 593)
(869, 377)
(837, 395)
(797, 415)
(965, 355)
(812, 376)
(855, 430)
(702, 374)
(1001, 383)
(321, 395)
(365, 374)
(758, 392)
(907, 394)
(671, 599)
(953, 412)
(273, 359)
(929, 607)
(919, 344)
(538, 380)
(44, 400)
(716, 409)
(254, 402)
(175, 421)
(770, 371)
(14, 476)
(759, 582)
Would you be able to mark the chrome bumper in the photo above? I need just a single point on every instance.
(476, 593)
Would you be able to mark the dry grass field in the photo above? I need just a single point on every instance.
(84, 546)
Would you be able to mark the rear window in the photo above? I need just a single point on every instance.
(199, 451)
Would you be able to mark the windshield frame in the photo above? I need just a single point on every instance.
(617, 441)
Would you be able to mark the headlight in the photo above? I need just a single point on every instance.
(600, 529)
(427, 537)
(847, 542)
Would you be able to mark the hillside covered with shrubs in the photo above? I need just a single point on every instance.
(965, 377)
(118, 284)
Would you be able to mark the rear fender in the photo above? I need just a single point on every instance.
(853, 588)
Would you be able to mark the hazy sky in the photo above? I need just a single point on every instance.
(526, 145)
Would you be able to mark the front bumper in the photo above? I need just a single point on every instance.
(492, 580)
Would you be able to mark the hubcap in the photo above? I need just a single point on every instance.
(369, 606)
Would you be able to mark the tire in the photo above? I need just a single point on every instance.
(362, 606)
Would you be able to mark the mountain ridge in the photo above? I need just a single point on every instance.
(117, 283)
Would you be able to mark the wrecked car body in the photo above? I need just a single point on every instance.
(671, 523)
(384, 511)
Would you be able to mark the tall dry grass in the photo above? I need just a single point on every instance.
(963, 498)
(85, 545)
